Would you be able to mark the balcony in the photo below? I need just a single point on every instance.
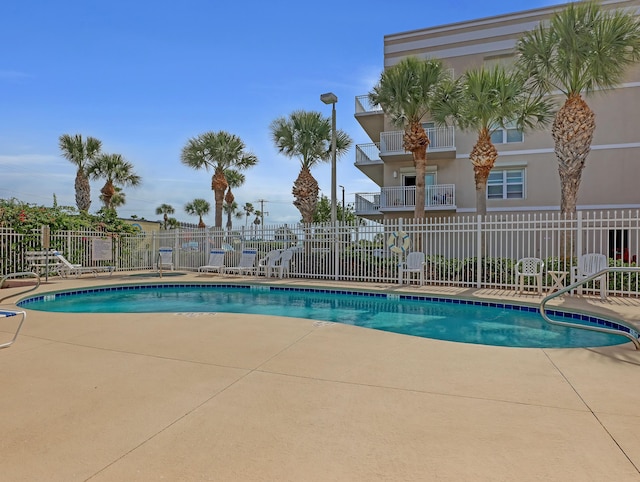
(442, 140)
(370, 117)
(403, 198)
(364, 106)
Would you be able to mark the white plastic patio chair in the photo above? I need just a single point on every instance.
(281, 264)
(589, 264)
(268, 262)
(414, 264)
(246, 264)
(529, 268)
(215, 263)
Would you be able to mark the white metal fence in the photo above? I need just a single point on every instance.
(463, 251)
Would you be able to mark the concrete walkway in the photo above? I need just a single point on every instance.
(224, 397)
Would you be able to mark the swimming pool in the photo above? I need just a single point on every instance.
(459, 320)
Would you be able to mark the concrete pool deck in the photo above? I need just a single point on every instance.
(225, 397)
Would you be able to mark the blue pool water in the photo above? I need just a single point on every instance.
(457, 320)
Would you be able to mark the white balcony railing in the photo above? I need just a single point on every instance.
(441, 139)
(363, 105)
(368, 153)
(438, 196)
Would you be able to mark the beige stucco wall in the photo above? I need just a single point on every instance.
(612, 170)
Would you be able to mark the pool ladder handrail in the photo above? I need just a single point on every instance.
(13, 312)
(159, 264)
(602, 329)
(21, 274)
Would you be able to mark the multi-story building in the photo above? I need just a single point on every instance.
(525, 176)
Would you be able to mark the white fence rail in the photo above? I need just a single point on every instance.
(463, 251)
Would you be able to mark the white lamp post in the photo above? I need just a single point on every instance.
(331, 98)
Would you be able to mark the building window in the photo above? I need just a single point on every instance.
(507, 135)
(505, 184)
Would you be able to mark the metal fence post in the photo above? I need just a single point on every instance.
(579, 233)
(479, 251)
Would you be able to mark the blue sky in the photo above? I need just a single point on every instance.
(144, 77)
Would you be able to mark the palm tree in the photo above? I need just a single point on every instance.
(198, 207)
(583, 48)
(165, 210)
(256, 221)
(307, 135)
(248, 209)
(173, 223)
(81, 153)
(406, 92)
(219, 151)
(116, 172)
(235, 179)
(484, 100)
(232, 210)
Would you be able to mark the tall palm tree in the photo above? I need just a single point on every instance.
(307, 135)
(232, 209)
(484, 100)
(81, 153)
(248, 209)
(583, 48)
(165, 210)
(116, 171)
(406, 92)
(219, 151)
(198, 207)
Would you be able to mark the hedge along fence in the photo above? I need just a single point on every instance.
(463, 251)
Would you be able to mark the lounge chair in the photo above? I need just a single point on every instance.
(246, 264)
(268, 262)
(68, 268)
(529, 268)
(414, 264)
(166, 258)
(589, 264)
(11, 313)
(215, 263)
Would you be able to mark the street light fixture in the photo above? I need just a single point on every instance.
(331, 98)
(343, 213)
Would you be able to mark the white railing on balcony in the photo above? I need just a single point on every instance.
(368, 153)
(441, 139)
(404, 197)
(363, 105)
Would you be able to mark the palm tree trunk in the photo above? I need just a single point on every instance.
(483, 156)
(305, 193)
(219, 186)
(108, 190)
(229, 197)
(481, 189)
(416, 141)
(83, 191)
(572, 131)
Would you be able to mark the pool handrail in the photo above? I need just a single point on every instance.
(593, 327)
(21, 274)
